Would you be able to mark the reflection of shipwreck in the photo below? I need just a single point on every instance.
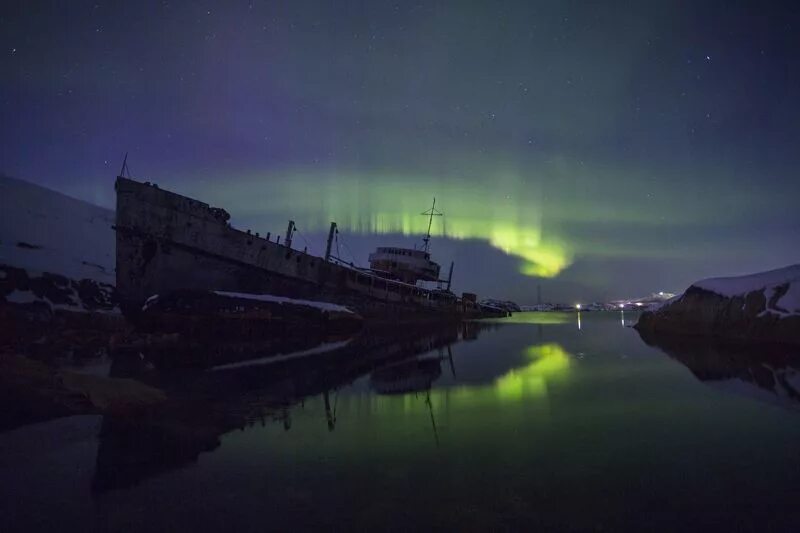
(202, 406)
(409, 376)
(415, 376)
(768, 373)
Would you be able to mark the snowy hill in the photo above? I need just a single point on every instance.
(42, 230)
(781, 287)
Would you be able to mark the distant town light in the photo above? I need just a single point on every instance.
(578, 307)
(622, 306)
(661, 293)
(638, 304)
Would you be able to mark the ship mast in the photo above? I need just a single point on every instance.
(124, 169)
(430, 213)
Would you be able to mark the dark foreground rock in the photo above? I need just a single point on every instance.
(31, 391)
(48, 316)
(17, 285)
(758, 308)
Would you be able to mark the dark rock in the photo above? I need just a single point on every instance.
(700, 312)
(51, 316)
(32, 391)
(94, 295)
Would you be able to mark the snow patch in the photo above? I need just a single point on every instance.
(791, 300)
(21, 297)
(768, 282)
(324, 306)
(741, 285)
(793, 380)
(149, 302)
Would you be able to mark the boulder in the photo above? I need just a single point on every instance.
(763, 307)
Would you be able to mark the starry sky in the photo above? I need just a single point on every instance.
(596, 149)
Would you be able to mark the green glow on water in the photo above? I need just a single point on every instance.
(546, 364)
(535, 317)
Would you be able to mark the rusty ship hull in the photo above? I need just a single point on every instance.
(166, 242)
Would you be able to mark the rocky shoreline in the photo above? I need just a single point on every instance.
(34, 391)
(53, 325)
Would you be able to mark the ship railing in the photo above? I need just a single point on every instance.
(380, 283)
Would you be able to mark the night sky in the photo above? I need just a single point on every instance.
(598, 149)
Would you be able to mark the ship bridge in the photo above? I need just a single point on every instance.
(405, 264)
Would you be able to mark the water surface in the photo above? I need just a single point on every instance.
(533, 421)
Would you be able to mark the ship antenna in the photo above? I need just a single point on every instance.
(430, 213)
(125, 169)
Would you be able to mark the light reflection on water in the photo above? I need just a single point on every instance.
(528, 423)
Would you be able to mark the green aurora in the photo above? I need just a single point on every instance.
(547, 213)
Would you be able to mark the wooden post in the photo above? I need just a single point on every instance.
(330, 241)
(289, 230)
(450, 277)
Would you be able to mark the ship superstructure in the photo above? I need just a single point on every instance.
(409, 265)
(404, 264)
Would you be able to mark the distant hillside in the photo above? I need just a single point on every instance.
(42, 230)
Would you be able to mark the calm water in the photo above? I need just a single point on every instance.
(535, 422)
